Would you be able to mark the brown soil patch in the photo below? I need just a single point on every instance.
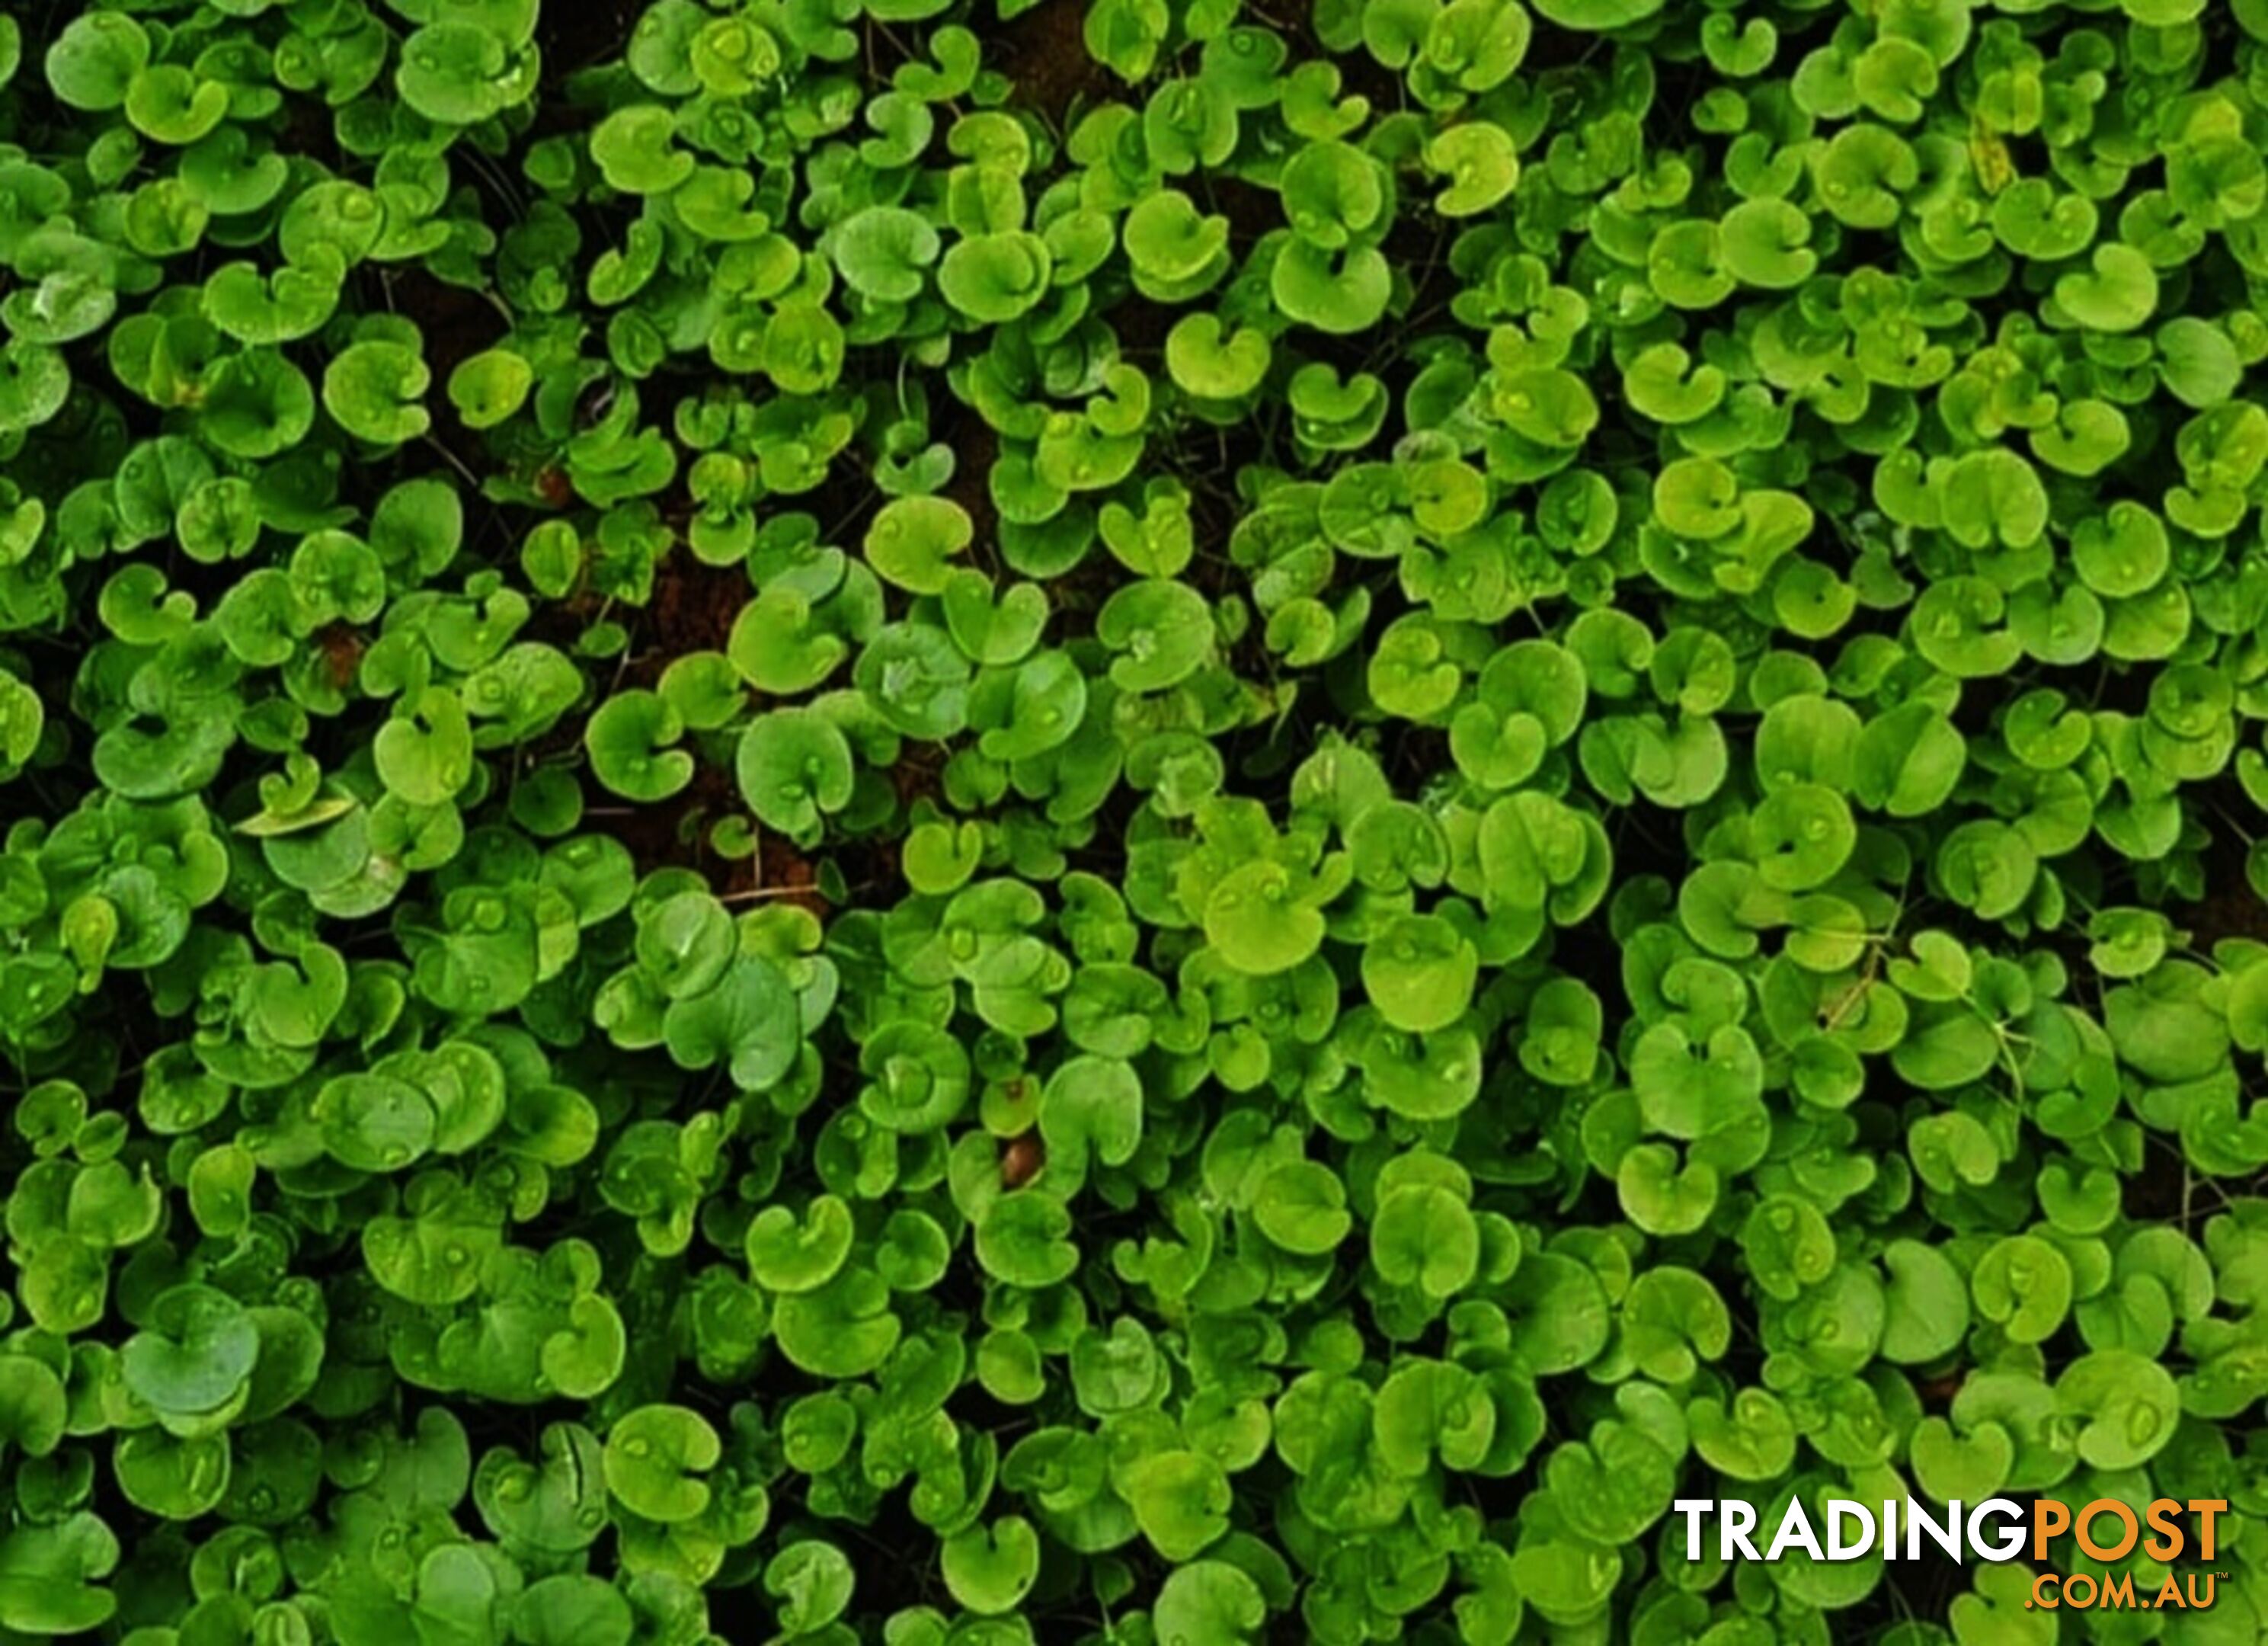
(785, 874)
(694, 605)
(1044, 52)
(919, 773)
(455, 323)
(975, 448)
(675, 833)
(2230, 907)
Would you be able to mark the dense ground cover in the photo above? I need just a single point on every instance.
(1135, 822)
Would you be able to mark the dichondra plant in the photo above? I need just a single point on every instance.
(1153, 822)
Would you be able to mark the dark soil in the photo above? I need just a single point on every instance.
(1251, 211)
(583, 33)
(693, 609)
(786, 873)
(919, 772)
(1360, 74)
(975, 446)
(675, 833)
(1043, 51)
(1140, 325)
(2156, 1194)
(455, 324)
(2230, 906)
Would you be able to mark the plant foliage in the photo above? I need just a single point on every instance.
(1166, 822)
